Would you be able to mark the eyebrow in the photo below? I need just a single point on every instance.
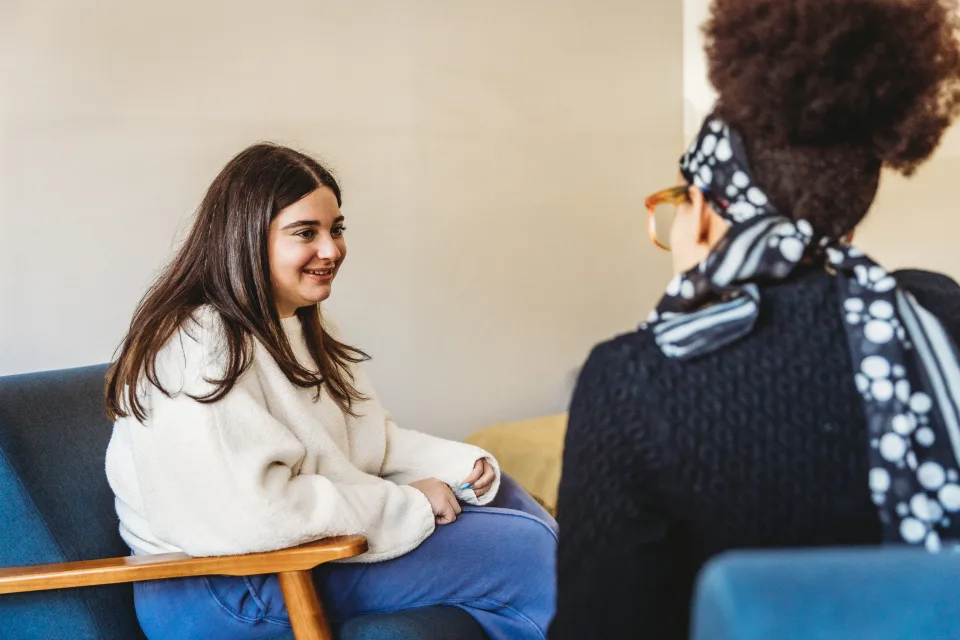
(310, 223)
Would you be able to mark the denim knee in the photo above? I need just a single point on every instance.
(527, 540)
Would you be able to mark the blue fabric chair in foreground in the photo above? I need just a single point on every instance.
(835, 594)
(56, 507)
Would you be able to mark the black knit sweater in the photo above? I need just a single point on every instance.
(667, 463)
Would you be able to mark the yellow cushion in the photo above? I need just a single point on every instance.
(530, 451)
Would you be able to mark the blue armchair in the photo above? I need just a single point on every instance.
(834, 594)
(56, 507)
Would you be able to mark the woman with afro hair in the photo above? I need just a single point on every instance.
(787, 391)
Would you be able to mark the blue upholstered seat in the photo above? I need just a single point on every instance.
(880, 594)
(56, 506)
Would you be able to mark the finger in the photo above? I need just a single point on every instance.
(447, 515)
(489, 474)
(475, 473)
(442, 512)
(480, 491)
(450, 501)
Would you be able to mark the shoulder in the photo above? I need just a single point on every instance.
(196, 352)
(928, 284)
(624, 357)
(937, 293)
(614, 431)
(202, 333)
(614, 380)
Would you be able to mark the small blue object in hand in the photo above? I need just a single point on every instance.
(468, 485)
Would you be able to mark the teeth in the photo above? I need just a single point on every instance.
(319, 273)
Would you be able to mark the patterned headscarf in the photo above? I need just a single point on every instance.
(904, 364)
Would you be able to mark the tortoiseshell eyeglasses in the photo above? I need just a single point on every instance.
(661, 208)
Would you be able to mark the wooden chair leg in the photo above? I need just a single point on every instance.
(306, 613)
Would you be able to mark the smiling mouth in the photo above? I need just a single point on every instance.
(320, 273)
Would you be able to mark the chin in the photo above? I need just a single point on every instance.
(316, 297)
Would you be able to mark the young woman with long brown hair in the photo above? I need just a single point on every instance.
(245, 424)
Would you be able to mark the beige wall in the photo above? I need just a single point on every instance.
(493, 155)
(913, 222)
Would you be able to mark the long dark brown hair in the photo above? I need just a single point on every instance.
(224, 264)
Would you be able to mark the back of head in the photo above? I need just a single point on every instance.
(827, 92)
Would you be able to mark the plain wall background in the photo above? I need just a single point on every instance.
(913, 222)
(494, 157)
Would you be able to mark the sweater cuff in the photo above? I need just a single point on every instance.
(380, 552)
(470, 497)
(420, 504)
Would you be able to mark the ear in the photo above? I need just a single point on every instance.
(702, 214)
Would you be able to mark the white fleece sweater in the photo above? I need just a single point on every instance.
(267, 467)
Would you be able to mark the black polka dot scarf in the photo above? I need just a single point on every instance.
(904, 363)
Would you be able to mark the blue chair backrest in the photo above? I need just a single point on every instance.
(835, 594)
(56, 505)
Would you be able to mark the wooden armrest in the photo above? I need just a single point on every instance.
(176, 565)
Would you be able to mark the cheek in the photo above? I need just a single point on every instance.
(287, 260)
(680, 232)
(683, 238)
(272, 258)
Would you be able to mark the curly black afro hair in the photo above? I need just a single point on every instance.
(826, 92)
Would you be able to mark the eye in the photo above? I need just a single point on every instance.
(338, 230)
(307, 234)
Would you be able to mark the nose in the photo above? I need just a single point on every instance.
(328, 249)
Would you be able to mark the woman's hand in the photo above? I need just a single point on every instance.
(444, 503)
(481, 477)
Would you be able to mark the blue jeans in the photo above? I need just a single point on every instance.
(497, 563)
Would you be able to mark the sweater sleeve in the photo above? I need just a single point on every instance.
(223, 478)
(617, 559)
(412, 456)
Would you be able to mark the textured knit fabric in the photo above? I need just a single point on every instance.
(668, 462)
(495, 562)
(268, 467)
